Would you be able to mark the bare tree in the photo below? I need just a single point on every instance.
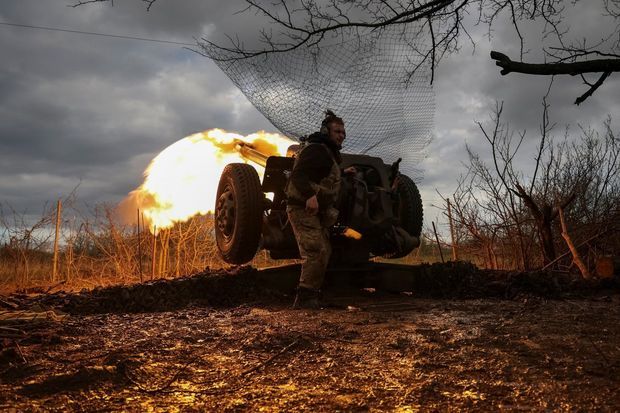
(26, 242)
(476, 226)
(580, 178)
(148, 3)
(546, 193)
(310, 23)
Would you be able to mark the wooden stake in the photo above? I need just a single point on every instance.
(438, 244)
(139, 248)
(154, 252)
(163, 254)
(455, 256)
(167, 255)
(56, 236)
(178, 251)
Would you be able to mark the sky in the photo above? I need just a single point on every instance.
(92, 111)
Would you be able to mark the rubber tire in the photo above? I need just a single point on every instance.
(410, 209)
(240, 244)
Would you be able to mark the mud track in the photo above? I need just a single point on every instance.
(455, 339)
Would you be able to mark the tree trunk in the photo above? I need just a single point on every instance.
(546, 241)
(585, 273)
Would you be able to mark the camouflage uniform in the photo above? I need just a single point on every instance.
(312, 231)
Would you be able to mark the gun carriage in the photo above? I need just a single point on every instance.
(380, 210)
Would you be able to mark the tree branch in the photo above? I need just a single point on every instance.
(559, 68)
(585, 273)
(547, 69)
(592, 89)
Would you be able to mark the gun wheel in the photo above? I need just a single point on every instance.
(409, 211)
(238, 213)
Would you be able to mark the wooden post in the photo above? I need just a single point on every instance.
(154, 252)
(438, 244)
(56, 236)
(163, 253)
(139, 248)
(167, 255)
(178, 251)
(455, 256)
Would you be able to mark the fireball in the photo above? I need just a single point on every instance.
(181, 181)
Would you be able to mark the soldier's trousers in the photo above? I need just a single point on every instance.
(314, 246)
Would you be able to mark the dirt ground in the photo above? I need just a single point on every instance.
(368, 351)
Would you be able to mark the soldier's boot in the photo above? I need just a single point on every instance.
(308, 299)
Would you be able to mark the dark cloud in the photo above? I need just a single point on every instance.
(93, 111)
(78, 109)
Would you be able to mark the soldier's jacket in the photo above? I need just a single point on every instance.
(316, 160)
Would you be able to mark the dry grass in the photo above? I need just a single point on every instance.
(100, 251)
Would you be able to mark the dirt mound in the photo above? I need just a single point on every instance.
(458, 280)
(465, 280)
(220, 289)
(453, 280)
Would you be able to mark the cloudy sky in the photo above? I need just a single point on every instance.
(93, 110)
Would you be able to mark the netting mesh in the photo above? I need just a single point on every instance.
(364, 79)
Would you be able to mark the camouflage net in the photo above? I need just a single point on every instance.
(364, 78)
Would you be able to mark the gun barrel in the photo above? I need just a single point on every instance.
(248, 152)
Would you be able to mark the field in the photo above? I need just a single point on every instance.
(462, 339)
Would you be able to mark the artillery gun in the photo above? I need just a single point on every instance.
(380, 210)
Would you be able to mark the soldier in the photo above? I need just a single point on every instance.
(312, 193)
